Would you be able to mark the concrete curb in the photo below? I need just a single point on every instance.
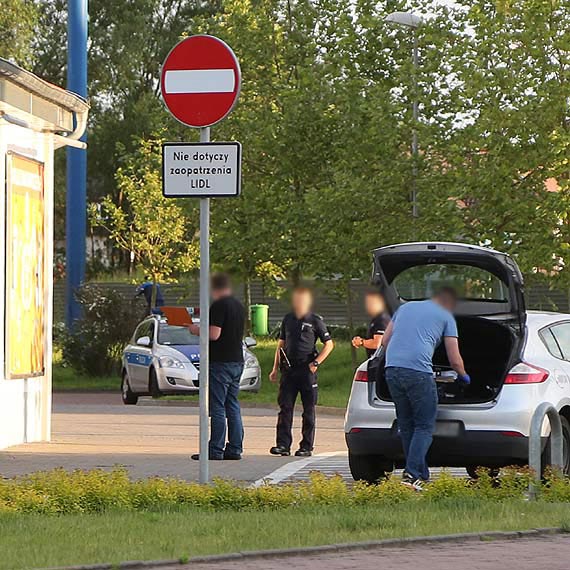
(328, 548)
(326, 410)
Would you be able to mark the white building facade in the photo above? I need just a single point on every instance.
(36, 119)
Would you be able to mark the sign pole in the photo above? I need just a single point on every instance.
(200, 83)
(204, 326)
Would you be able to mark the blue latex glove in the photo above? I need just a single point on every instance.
(463, 379)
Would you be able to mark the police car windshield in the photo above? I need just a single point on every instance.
(176, 335)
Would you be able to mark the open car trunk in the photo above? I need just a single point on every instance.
(489, 350)
(490, 313)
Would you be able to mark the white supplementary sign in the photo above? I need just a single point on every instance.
(201, 169)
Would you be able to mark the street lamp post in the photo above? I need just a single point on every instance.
(412, 22)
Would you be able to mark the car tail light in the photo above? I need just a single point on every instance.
(361, 376)
(524, 373)
(512, 434)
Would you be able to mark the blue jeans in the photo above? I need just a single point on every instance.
(415, 397)
(224, 407)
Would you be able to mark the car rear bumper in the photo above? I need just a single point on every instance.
(488, 448)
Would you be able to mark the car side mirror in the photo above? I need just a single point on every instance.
(144, 341)
(250, 342)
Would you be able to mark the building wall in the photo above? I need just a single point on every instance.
(25, 403)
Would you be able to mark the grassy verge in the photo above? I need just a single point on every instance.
(97, 516)
(115, 537)
(335, 377)
(67, 379)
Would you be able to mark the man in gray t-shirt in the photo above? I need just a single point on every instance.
(417, 328)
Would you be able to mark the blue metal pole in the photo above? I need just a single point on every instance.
(76, 203)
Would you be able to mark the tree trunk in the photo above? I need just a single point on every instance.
(296, 276)
(350, 317)
(247, 303)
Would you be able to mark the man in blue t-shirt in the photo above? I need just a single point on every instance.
(416, 329)
(145, 289)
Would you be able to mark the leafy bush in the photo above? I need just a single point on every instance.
(60, 492)
(556, 488)
(108, 320)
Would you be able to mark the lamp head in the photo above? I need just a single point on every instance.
(404, 19)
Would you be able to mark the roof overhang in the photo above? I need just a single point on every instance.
(30, 101)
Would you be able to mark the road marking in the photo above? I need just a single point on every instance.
(199, 81)
(290, 469)
(331, 464)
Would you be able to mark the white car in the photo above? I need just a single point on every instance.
(161, 359)
(517, 360)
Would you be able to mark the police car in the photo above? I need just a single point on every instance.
(162, 359)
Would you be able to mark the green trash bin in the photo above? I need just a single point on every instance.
(259, 320)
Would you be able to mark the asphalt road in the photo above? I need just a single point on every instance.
(97, 430)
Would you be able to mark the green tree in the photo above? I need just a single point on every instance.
(128, 42)
(18, 20)
(508, 100)
(156, 230)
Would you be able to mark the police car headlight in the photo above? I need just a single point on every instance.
(250, 362)
(170, 362)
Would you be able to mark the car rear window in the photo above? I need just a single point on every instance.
(176, 335)
(551, 343)
(471, 283)
(561, 333)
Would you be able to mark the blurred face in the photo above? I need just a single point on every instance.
(374, 305)
(446, 301)
(302, 301)
(217, 294)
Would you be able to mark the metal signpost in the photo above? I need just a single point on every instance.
(200, 84)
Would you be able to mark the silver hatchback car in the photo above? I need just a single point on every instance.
(517, 359)
(163, 359)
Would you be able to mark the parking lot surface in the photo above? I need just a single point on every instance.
(551, 552)
(97, 430)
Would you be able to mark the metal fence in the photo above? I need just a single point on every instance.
(334, 309)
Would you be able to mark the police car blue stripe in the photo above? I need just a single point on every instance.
(137, 358)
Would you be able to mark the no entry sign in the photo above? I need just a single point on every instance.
(200, 81)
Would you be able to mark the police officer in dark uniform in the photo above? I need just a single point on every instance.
(379, 320)
(298, 359)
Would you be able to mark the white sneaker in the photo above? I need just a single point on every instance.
(415, 484)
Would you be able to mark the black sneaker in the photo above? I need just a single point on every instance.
(303, 453)
(196, 457)
(413, 483)
(232, 456)
(278, 450)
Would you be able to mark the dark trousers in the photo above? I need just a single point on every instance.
(297, 380)
(225, 409)
(415, 397)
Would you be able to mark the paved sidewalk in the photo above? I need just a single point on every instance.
(548, 553)
(97, 430)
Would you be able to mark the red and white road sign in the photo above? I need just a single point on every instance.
(200, 80)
